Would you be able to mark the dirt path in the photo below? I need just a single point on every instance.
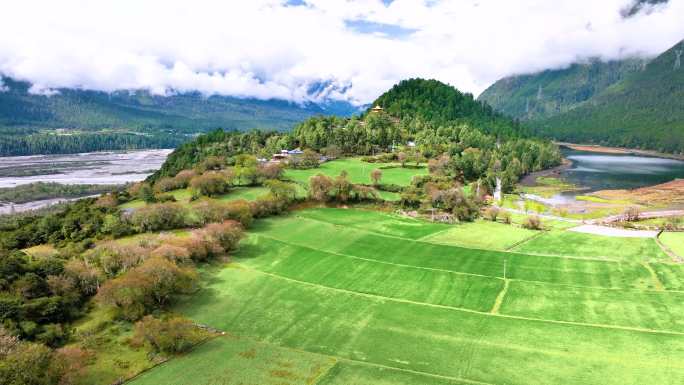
(644, 215)
(614, 232)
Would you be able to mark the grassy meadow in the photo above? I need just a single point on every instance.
(349, 296)
(674, 241)
(359, 172)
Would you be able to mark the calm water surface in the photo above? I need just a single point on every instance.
(596, 171)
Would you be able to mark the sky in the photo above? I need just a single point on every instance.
(307, 50)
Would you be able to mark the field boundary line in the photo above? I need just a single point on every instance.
(520, 242)
(656, 281)
(426, 237)
(320, 376)
(667, 250)
(499, 298)
(464, 273)
(446, 307)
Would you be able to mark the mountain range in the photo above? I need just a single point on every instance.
(74, 120)
(634, 102)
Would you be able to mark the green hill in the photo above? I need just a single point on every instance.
(618, 104)
(440, 103)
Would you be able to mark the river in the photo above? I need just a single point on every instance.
(87, 168)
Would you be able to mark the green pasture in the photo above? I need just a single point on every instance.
(358, 172)
(344, 297)
(674, 241)
(300, 231)
(453, 344)
(231, 360)
(482, 235)
(375, 221)
(568, 243)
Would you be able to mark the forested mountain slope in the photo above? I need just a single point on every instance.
(133, 119)
(645, 110)
(633, 103)
(548, 93)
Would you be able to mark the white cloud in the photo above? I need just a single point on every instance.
(264, 49)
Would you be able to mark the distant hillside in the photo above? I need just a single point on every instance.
(548, 93)
(631, 103)
(134, 119)
(440, 103)
(644, 110)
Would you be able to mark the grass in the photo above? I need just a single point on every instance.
(427, 339)
(115, 359)
(588, 245)
(482, 234)
(674, 241)
(246, 193)
(595, 199)
(342, 296)
(548, 186)
(358, 172)
(41, 251)
(230, 360)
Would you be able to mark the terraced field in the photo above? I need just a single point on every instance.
(333, 296)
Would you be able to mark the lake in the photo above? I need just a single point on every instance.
(116, 167)
(598, 171)
(593, 171)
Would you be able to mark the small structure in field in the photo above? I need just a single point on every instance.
(377, 109)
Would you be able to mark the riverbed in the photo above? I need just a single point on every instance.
(114, 167)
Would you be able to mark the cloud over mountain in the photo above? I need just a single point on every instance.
(350, 50)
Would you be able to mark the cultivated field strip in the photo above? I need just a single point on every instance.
(430, 339)
(557, 270)
(644, 310)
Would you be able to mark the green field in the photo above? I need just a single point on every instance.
(482, 235)
(674, 241)
(358, 172)
(570, 243)
(345, 296)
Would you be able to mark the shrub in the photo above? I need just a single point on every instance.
(115, 258)
(532, 223)
(492, 213)
(319, 187)
(505, 217)
(171, 336)
(376, 176)
(165, 185)
(268, 171)
(227, 234)
(163, 198)
(177, 254)
(161, 216)
(211, 163)
(146, 287)
(182, 179)
(200, 247)
(210, 184)
(212, 212)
